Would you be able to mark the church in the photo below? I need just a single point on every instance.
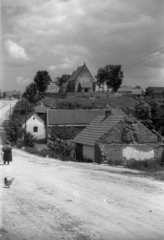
(80, 80)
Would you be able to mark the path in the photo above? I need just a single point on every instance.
(51, 199)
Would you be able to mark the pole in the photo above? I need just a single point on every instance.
(25, 126)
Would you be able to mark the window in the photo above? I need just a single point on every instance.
(35, 129)
(86, 90)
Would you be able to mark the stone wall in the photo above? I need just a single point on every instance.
(122, 153)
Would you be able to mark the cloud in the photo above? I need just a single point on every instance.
(15, 52)
(115, 32)
(23, 81)
(51, 68)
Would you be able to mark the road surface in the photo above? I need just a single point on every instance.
(51, 199)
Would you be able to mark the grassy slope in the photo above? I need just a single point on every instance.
(124, 102)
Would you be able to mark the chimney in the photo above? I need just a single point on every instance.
(108, 112)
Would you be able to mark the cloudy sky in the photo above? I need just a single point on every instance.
(60, 35)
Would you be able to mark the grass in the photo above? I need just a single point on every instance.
(148, 169)
(124, 102)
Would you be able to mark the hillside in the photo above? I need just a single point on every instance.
(123, 102)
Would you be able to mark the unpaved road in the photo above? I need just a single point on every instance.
(50, 199)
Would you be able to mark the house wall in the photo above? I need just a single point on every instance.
(84, 77)
(123, 153)
(88, 152)
(35, 121)
(129, 140)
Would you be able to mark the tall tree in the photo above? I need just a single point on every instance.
(111, 75)
(30, 93)
(42, 80)
(143, 113)
(61, 80)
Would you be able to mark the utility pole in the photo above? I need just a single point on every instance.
(25, 125)
(10, 109)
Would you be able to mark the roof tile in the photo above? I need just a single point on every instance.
(73, 117)
(91, 134)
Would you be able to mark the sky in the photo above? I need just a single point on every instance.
(60, 35)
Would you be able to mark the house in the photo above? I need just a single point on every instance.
(15, 94)
(80, 80)
(125, 90)
(79, 118)
(35, 125)
(115, 137)
(137, 92)
(52, 88)
(130, 91)
(155, 91)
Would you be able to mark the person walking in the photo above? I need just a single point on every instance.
(7, 156)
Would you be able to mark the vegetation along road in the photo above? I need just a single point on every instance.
(51, 199)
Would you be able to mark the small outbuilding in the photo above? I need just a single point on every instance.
(116, 138)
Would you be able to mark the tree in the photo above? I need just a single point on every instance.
(13, 129)
(42, 80)
(4, 94)
(143, 113)
(31, 93)
(111, 75)
(63, 79)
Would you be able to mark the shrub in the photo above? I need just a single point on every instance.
(61, 149)
(64, 133)
(143, 165)
(47, 153)
(13, 130)
(20, 143)
(31, 150)
(29, 140)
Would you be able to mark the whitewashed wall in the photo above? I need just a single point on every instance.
(35, 121)
(88, 152)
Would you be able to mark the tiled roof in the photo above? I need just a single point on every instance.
(30, 115)
(91, 134)
(86, 84)
(10, 93)
(158, 91)
(40, 109)
(81, 117)
(75, 74)
(137, 91)
(155, 88)
(124, 89)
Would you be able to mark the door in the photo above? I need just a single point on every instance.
(79, 152)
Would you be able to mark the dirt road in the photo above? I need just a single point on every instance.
(50, 199)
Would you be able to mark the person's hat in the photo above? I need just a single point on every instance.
(7, 142)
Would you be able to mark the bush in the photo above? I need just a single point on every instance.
(31, 150)
(13, 130)
(29, 140)
(143, 165)
(61, 149)
(20, 143)
(64, 133)
(47, 153)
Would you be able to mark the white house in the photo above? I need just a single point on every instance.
(35, 125)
